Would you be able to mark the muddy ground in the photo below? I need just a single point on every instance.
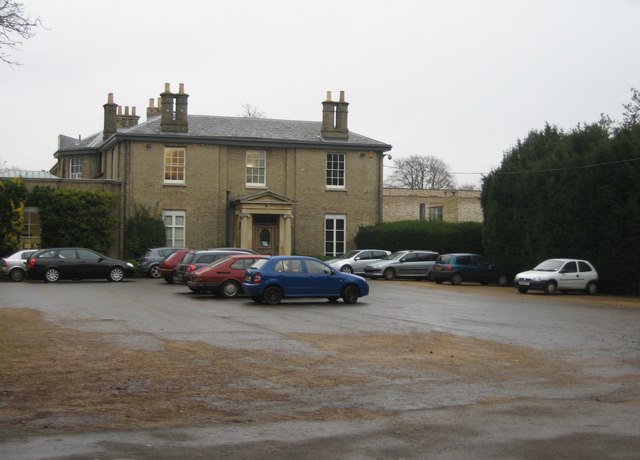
(64, 380)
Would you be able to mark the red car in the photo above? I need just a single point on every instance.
(168, 265)
(223, 277)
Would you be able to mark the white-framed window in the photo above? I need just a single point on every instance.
(256, 168)
(335, 170)
(335, 226)
(435, 213)
(75, 168)
(174, 165)
(174, 224)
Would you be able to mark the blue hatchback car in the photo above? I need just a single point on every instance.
(288, 277)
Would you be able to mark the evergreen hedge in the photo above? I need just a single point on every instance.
(569, 194)
(439, 236)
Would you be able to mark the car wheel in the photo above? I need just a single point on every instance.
(230, 289)
(550, 288)
(389, 274)
(346, 269)
(116, 274)
(16, 274)
(456, 278)
(272, 295)
(350, 294)
(51, 275)
(592, 288)
(522, 290)
(503, 280)
(154, 271)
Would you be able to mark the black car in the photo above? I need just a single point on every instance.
(463, 267)
(76, 263)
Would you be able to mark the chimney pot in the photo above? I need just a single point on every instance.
(151, 102)
(167, 87)
(328, 96)
(181, 90)
(119, 110)
(133, 111)
(341, 96)
(110, 98)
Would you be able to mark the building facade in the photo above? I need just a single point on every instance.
(276, 186)
(446, 205)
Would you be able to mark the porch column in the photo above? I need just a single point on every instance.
(284, 243)
(246, 231)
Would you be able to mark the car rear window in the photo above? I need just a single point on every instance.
(443, 259)
(259, 263)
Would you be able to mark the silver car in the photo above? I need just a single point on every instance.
(403, 264)
(15, 266)
(355, 261)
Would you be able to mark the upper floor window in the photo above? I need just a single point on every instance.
(256, 170)
(75, 168)
(174, 165)
(335, 170)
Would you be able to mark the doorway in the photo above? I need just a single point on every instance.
(265, 234)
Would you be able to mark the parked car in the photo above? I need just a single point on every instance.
(463, 267)
(247, 251)
(355, 261)
(286, 277)
(193, 260)
(15, 266)
(562, 275)
(76, 263)
(223, 277)
(414, 264)
(169, 264)
(150, 261)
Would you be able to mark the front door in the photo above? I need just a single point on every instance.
(265, 238)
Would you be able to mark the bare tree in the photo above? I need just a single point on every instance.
(250, 111)
(15, 26)
(421, 172)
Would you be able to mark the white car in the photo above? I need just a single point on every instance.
(559, 275)
(15, 266)
(355, 261)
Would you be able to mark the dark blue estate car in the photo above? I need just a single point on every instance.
(457, 268)
(287, 277)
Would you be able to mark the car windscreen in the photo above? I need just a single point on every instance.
(347, 255)
(550, 265)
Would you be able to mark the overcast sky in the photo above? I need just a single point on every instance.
(461, 80)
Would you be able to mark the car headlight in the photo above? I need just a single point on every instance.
(129, 264)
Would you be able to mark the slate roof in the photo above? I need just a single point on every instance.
(218, 129)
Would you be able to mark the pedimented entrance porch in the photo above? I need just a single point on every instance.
(263, 222)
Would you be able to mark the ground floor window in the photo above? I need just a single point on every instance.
(334, 234)
(435, 213)
(174, 224)
(30, 234)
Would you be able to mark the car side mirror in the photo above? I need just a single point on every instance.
(356, 258)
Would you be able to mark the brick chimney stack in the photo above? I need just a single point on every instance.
(153, 111)
(110, 118)
(335, 117)
(127, 120)
(174, 110)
